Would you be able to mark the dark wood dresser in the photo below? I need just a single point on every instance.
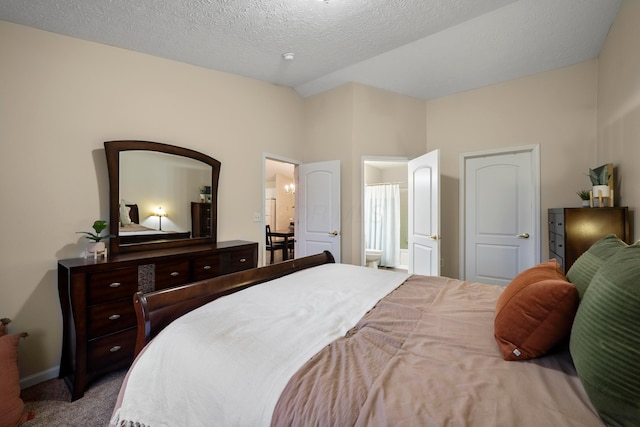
(573, 230)
(200, 219)
(96, 298)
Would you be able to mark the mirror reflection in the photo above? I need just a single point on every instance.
(160, 195)
(157, 191)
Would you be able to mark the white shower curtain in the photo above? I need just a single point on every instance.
(382, 221)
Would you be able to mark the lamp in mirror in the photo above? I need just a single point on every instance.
(159, 212)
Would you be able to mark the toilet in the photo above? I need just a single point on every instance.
(372, 257)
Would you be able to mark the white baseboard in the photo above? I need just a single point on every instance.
(40, 377)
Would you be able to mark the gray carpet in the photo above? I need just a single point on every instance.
(51, 403)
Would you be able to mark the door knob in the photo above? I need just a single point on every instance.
(334, 233)
(434, 237)
(523, 236)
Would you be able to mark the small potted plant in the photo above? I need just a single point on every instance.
(96, 246)
(585, 196)
(600, 182)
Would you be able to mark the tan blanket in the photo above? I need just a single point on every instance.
(426, 356)
(135, 228)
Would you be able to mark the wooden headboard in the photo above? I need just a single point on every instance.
(155, 310)
(134, 214)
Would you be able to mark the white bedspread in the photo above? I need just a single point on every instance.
(227, 362)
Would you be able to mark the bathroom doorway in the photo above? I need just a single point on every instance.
(385, 213)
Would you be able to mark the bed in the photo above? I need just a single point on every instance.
(319, 343)
(131, 231)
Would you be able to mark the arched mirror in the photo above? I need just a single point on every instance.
(160, 196)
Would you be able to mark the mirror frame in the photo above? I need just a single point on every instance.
(112, 151)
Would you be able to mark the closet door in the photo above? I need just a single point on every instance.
(318, 209)
(500, 214)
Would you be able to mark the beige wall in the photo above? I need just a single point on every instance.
(60, 99)
(619, 105)
(556, 110)
(385, 125)
(353, 121)
(327, 136)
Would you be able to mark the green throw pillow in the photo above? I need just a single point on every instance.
(605, 339)
(587, 264)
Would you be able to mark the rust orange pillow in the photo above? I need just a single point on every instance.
(535, 312)
(11, 405)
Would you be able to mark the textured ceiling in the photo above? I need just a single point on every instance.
(421, 48)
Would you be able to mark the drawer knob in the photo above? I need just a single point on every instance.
(243, 260)
(114, 317)
(115, 348)
(175, 274)
(115, 284)
(206, 267)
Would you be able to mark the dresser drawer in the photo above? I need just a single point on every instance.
(113, 350)
(556, 223)
(556, 243)
(171, 274)
(112, 285)
(207, 267)
(104, 319)
(239, 260)
(558, 246)
(206, 211)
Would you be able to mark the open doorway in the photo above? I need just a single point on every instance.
(279, 209)
(385, 213)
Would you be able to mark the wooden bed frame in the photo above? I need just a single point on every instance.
(155, 310)
(134, 213)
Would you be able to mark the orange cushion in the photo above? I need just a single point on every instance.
(535, 312)
(11, 405)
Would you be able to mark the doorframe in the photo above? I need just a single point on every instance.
(363, 160)
(277, 158)
(534, 149)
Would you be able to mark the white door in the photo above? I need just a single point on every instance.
(318, 209)
(424, 214)
(500, 215)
